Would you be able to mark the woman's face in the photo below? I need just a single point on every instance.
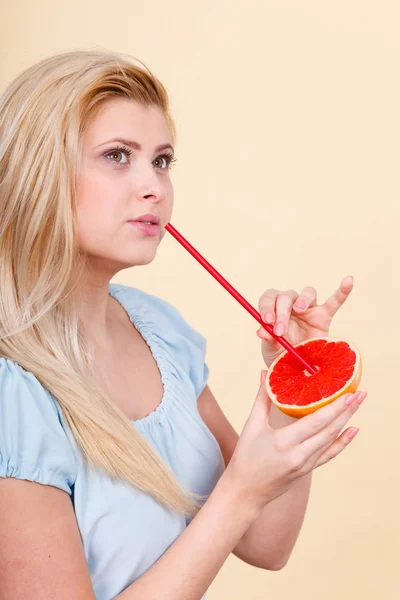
(127, 150)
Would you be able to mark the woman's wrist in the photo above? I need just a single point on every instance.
(246, 504)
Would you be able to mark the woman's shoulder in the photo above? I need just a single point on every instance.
(144, 304)
(18, 386)
(144, 307)
(33, 442)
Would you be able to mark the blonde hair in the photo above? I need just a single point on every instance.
(43, 115)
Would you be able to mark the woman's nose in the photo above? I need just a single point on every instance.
(150, 188)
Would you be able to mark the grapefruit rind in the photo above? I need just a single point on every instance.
(350, 387)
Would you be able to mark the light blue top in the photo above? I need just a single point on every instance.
(124, 531)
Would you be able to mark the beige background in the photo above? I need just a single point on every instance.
(287, 175)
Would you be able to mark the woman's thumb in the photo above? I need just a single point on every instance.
(262, 404)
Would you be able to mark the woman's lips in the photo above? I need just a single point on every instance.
(145, 228)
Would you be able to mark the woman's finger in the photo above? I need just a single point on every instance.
(307, 299)
(266, 305)
(284, 306)
(263, 334)
(324, 439)
(337, 447)
(339, 297)
(311, 424)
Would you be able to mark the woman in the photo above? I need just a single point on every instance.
(120, 475)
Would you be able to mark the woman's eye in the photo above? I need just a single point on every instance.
(162, 162)
(118, 156)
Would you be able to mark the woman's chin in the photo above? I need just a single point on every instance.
(141, 259)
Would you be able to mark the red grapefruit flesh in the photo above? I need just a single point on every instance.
(297, 393)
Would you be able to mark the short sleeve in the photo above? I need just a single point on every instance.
(33, 442)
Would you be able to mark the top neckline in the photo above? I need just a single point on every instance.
(144, 329)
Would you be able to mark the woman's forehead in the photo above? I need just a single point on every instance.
(128, 119)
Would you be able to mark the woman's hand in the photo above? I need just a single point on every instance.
(297, 317)
(267, 462)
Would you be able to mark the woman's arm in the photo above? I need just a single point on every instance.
(188, 567)
(270, 539)
(42, 554)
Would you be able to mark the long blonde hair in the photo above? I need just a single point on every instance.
(43, 115)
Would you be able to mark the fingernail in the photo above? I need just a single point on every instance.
(361, 397)
(280, 329)
(349, 400)
(300, 304)
(269, 318)
(353, 432)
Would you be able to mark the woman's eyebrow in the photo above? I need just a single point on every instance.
(136, 145)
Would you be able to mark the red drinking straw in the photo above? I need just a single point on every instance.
(171, 229)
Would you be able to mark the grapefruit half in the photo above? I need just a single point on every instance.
(297, 393)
